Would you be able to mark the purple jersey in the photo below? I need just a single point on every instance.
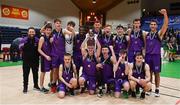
(58, 44)
(67, 73)
(153, 43)
(106, 40)
(139, 72)
(107, 69)
(120, 43)
(89, 66)
(46, 48)
(120, 73)
(77, 44)
(136, 42)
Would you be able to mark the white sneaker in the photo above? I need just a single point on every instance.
(157, 93)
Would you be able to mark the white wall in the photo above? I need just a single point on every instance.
(123, 14)
(42, 10)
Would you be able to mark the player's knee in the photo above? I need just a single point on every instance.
(61, 95)
(81, 81)
(117, 94)
(91, 92)
(132, 84)
(126, 86)
(73, 81)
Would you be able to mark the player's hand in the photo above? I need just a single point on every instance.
(111, 47)
(71, 28)
(120, 58)
(163, 11)
(48, 58)
(142, 82)
(69, 85)
(99, 65)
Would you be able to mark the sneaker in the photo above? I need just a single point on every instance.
(53, 88)
(137, 90)
(44, 90)
(125, 94)
(133, 94)
(71, 91)
(49, 84)
(100, 94)
(83, 89)
(25, 91)
(142, 95)
(157, 93)
(36, 88)
(149, 92)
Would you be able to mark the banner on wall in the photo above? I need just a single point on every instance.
(14, 12)
(174, 22)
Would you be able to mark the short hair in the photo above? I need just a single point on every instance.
(108, 25)
(154, 20)
(67, 54)
(71, 23)
(91, 42)
(48, 26)
(139, 54)
(119, 26)
(57, 20)
(105, 46)
(97, 21)
(135, 20)
(31, 28)
(122, 51)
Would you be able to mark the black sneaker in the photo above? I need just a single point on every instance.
(100, 94)
(25, 91)
(36, 88)
(133, 94)
(49, 84)
(71, 91)
(83, 89)
(44, 90)
(137, 90)
(142, 95)
(157, 93)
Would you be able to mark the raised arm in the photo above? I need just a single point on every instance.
(165, 24)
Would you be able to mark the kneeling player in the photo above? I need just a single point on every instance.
(121, 70)
(67, 76)
(139, 75)
(89, 66)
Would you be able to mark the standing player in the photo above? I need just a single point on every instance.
(153, 49)
(136, 40)
(139, 75)
(58, 50)
(67, 76)
(120, 40)
(69, 38)
(77, 56)
(30, 55)
(121, 70)
(89, 66)
(97, 28)
(44, 48)
(106, 39)
(105, 74)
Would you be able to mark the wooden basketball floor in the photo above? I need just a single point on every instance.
(11, 92)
